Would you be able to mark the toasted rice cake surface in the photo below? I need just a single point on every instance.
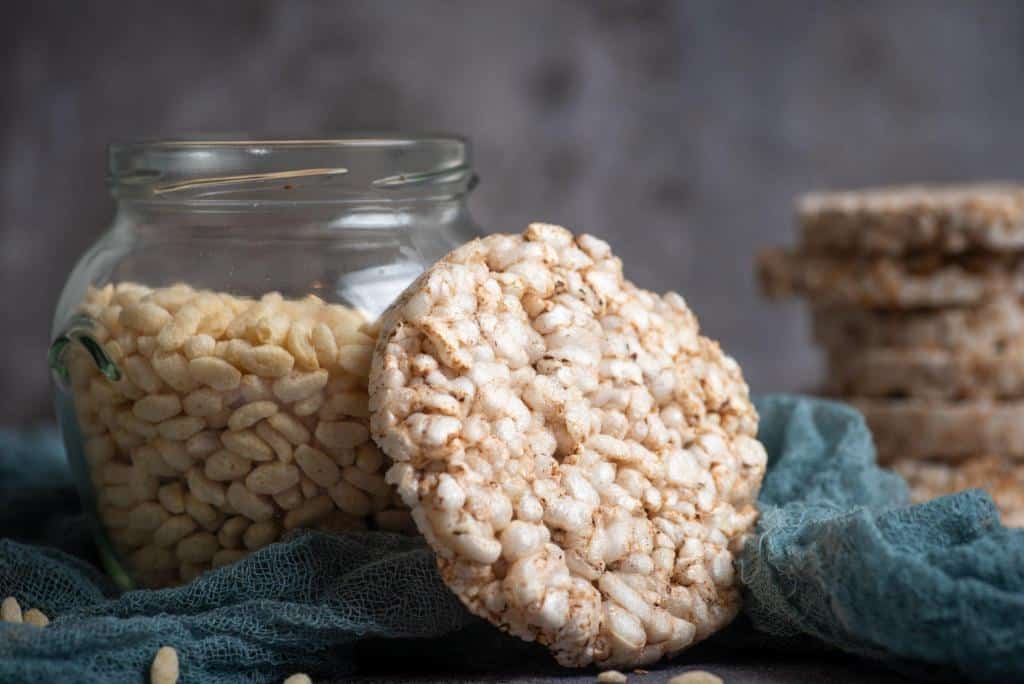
(898, 220)
(928, 373)
(582, 460)
(989, 327)
(925, 280)
(1001, 477)
(941, 430)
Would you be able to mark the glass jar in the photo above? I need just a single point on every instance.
(211, 350)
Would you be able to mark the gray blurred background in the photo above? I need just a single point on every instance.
(680, 131)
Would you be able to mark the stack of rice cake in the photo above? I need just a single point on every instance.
(917, 297)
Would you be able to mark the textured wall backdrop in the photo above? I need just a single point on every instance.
(680, 132)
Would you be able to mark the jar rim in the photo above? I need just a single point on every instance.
(233, 169)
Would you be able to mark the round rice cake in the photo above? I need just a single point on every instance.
(1002, 478)
(988, 327)
(582, 460)
(950, 431)
(928, 373)
(921, 280)
(898, 220)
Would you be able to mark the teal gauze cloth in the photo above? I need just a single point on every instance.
(839, 556)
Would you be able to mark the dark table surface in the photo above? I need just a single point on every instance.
(739, 670)
(738, 656)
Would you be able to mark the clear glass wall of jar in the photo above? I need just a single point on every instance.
(211, 349)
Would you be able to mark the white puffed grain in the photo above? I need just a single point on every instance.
(10, 610)
(612, 677)
(301, 346)
(317, 465)
(353, 337)
(144, 317)
(248, 415)
(147, 516)
(146, 345)
(181, 428)
(308, 406)
(350, 499)
(121, 496)
(174, 454)
(151, 462)
(308, 512)
(252, 506)
(298, 386)
(266, 360)
(255, 388)
(248, 444)
(183, 385)
(173, 530)
(343, 457)
(199, 345)
(289, 499)
(260, 534)
(324, 344)
(215, 372)
(696, 677)
(103, 391)
(372, 483)
(203, 444)
(219, 420)
(114, 473)
(369, 458)
(157, 407)
(225, 466)
(205, 489)
(215, 323)
(110, 318)
(289, 428)
(36, 617)
(345, 382)
(202, 512)
(203, 402)
(227, 557)
(272, 478)
(281, 446)
(341, 434)
(266, 324)
(129, 422)
(171, 298)
(143, 486)
(180, 328)
(173, 368)
(308, 487)
(197, 548)
(164, 669)
(355, 358)
(230, 533)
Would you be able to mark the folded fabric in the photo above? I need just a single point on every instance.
(838, 555)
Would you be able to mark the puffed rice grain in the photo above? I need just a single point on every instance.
(34, 616)
(195, 446)
(10, 610)
(164, 669)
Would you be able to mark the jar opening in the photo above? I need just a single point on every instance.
(362, 168)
